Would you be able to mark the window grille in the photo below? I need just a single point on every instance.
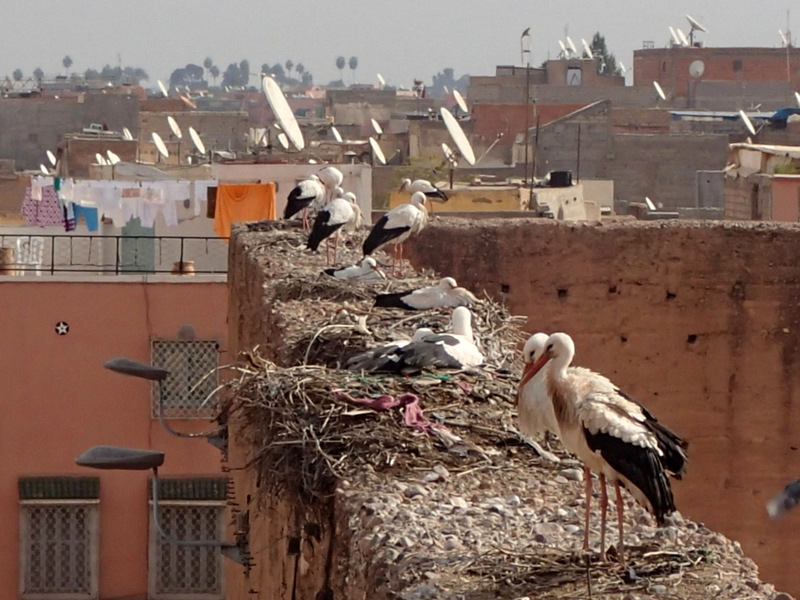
(183, 572)
(193, 377)
(58, 549)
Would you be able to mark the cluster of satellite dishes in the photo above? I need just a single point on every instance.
(176, 131)
(569, 50)
(678, 38)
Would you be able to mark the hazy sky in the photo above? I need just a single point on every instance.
(401, 39)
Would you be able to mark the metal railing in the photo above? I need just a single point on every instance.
(112, 254)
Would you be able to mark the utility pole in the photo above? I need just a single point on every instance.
(525, 53)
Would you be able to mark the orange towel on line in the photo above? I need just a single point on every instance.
(247, 202)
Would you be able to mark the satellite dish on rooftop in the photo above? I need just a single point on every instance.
(649, 203)
(683, 38)
(587, 48)
(747, 122)
(336, 134)
(446, 89)
(163, 89)
(173, 125)
(51, 157)
(697, 68)
(160, 146)
(284, 141)
(659, 91)
(695, 26)
(572, 46)
(797, 97)
(461, 141)
(784, 38)
(376, 150)
(460, 101)
(113, 158)
(381, 80)
(673, 34)
(377, 127)
(99, 158)
(622, 68)
(449, 154)
(563, 48)
(283, 112)
(126, 134)
(198, 143)
(44, 170)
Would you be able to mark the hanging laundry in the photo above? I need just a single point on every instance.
(89, 215)
(248, 202)
(45, 212)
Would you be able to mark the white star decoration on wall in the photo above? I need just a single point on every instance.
(62, 328)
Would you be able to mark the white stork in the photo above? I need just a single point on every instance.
(308, 193)
(612, 434)
(396, 226)
(367, 270)
(534, 407)
(336, 214)
(456, 350)
(426, 187)
(446, 293)
(331, 178)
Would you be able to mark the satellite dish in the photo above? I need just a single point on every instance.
(784, 39)
(163, 89)
(198, 143)
(376, 150)
(695, 26)
(449, 154)
(587, 48)
(649, 203)
(622, 68)
(675, 39)
(381, 80)
(377, 127)
(697, 68)
(460, 101)
(282, 112)
(461, 141)
(44, 170)
(446, 89)
(682, 36)
(747, 122)
(99, 158)
(797, 97)
(283, 140)
(659, 91)
(336, 134)
(51, 157)
(563, 48)
(173, 125)
(227, 88)
(571, 45)
(113, 158)
(126, 134)
(162, 149)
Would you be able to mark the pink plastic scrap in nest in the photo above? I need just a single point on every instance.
(412, 416)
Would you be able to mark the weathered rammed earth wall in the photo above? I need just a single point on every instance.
(698, 320)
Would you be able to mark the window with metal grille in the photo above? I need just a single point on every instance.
(183, 572)
(58, 549)
(192, 379)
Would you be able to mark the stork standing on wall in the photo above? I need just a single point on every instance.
(396, 226)
(431, 192)
(611, 433)
(338, 213)
(309, 193)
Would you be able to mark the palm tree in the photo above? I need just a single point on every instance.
(208, 63)
(300, 69)
(353, 66)
(289, 67)
(214, 72)
(340, 63)
(67, 62)
(38, 73)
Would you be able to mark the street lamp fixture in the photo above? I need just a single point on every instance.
(134, 368)
(131, 459)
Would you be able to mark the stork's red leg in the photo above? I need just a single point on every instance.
(603, 508)
(587, 474)
(621, 549)
(305, 219)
